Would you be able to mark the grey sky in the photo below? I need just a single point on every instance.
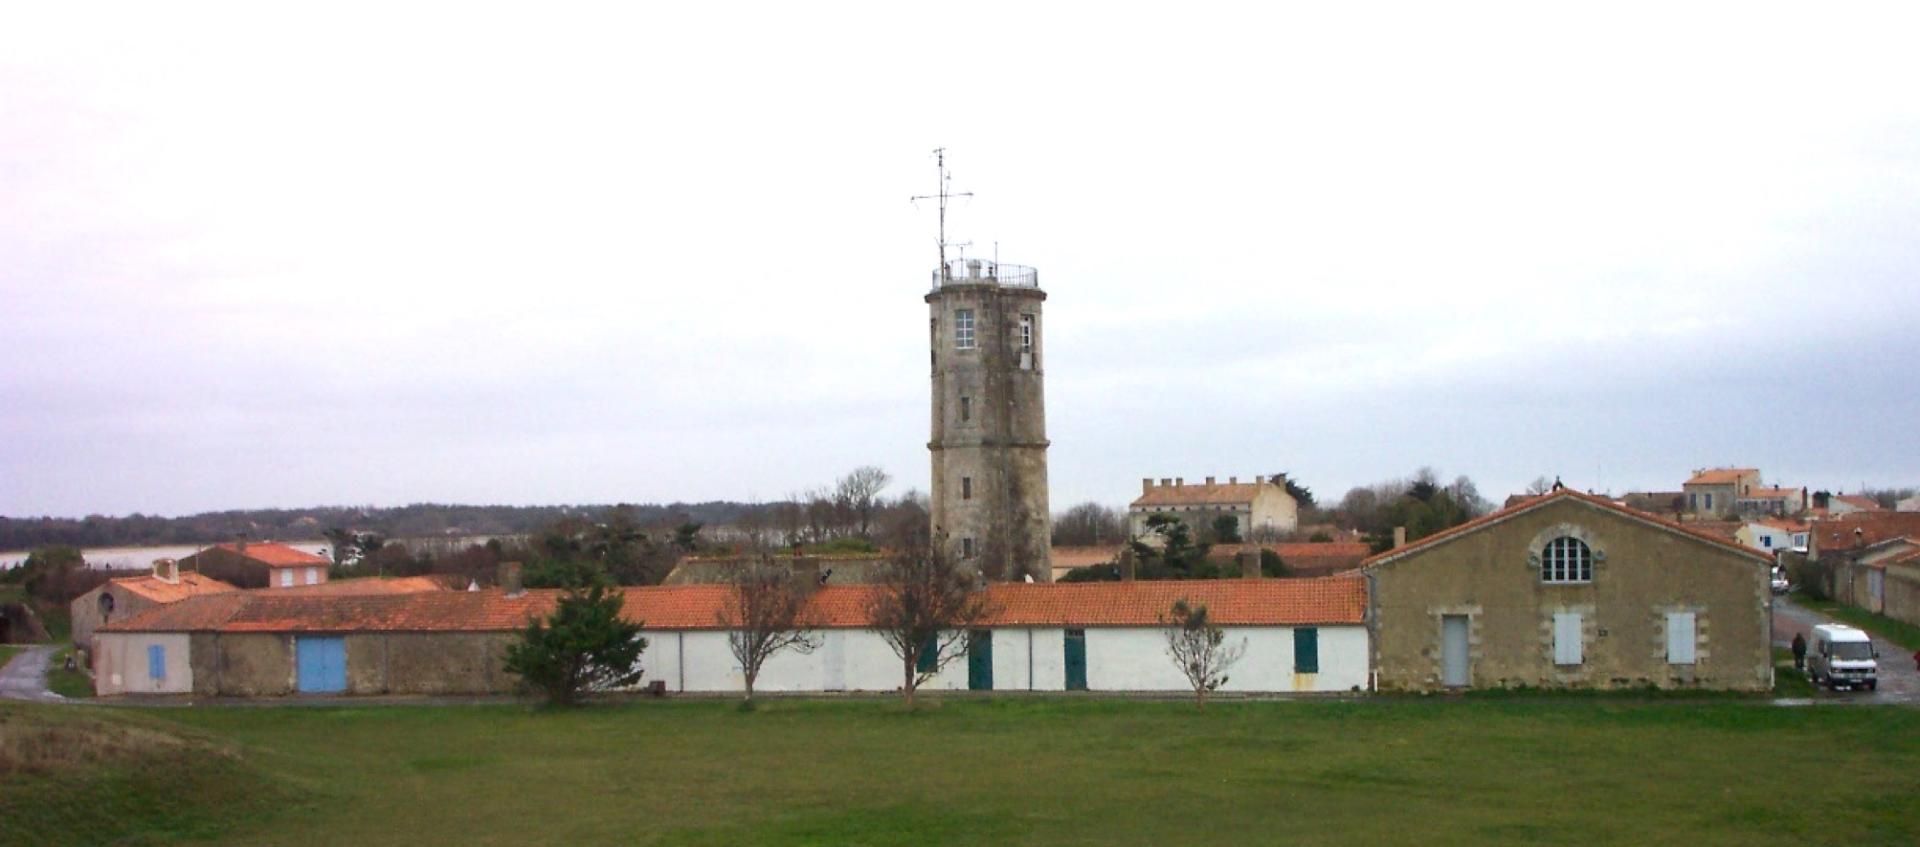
(249, 258)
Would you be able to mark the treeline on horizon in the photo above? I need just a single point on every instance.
(410, 521)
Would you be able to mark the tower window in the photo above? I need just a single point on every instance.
(1026, 332)
(966, 488)
(966, 548)
(963, 329)
(966, 409)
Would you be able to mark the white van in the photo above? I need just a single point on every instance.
(1842, 656)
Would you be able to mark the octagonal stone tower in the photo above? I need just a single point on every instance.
(990, 420)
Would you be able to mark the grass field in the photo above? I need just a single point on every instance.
(67, 683)
(969, 771)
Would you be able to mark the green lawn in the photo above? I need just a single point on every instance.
(1005, 771)
(1899, 632)
(67, 683)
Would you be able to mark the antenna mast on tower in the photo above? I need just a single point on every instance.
(946, 179)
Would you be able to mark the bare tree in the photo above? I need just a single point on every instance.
(924, 605)
(1089, 523)
(858, 496)
(1540, 485)
(766, 612)
(1198, 647)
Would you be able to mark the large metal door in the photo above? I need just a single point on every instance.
(980, 660)
(1453, 651)
(1076, 660)
(322, 663)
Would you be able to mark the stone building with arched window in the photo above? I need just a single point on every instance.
(1569, 590)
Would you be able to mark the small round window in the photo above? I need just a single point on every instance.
(1566, 559)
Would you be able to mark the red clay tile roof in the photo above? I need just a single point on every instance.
(1758, 493)
(1080, 557)
(365, 585)
(1543, 500)
(160, 591)
(263, 611)
(1865, 504)
(1240, 602)
(1199, 494)
(1788, 524)
(275, 555)
(1721, 476)
(1836, 534)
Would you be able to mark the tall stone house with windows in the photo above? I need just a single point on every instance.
(1713, 492)
(1569, 590)
(1261, 508)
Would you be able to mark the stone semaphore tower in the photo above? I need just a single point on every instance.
(989, 419)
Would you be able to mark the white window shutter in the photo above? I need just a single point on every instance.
(1680, 638)
(1566, 638)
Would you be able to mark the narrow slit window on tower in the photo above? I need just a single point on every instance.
(966, 548)
(963, 329)
(966, 488)
(1026, 332)
(966, 409)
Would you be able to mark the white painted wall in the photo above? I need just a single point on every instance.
(1118, 659)
(1136, 659)
(120, 663)
(845, 660)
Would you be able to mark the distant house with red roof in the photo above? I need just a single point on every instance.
(125, 597)
(1299, 635)
(259, 564)
(1772, 535)
(1570, 590)
(1260, 507)
(1846, 504)
(1712, 492)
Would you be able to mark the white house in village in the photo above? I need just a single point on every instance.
(1773, 535)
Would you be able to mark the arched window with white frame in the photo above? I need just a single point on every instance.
(1566, 559)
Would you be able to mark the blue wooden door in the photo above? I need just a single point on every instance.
(323, 664)
(1076, 660)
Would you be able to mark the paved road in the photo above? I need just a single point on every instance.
(25, 678)
(1899, 681)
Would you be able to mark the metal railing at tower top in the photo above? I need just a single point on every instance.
(982, 272)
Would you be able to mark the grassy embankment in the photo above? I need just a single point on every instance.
(1899, 632)
(976, 771)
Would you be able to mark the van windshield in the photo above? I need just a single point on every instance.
(1851, 650)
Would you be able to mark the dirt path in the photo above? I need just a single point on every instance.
(25, 678)
(1899, 680)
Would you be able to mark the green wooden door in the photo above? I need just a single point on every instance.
(1306, 650)
(1076, 660)
(980, 660)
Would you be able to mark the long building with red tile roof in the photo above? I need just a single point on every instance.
(1305, 635)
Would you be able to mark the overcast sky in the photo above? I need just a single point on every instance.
(557, 255)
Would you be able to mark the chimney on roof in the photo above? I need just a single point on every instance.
(240, 542)
(167, 571)
(1280, 479)
(1209, 480)
(1146, 485)
(1233, 480)
(1179, 482)
(1127, 564)
(510, 579)
(1250, 563)
(1166, 481)
(1399, 537)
